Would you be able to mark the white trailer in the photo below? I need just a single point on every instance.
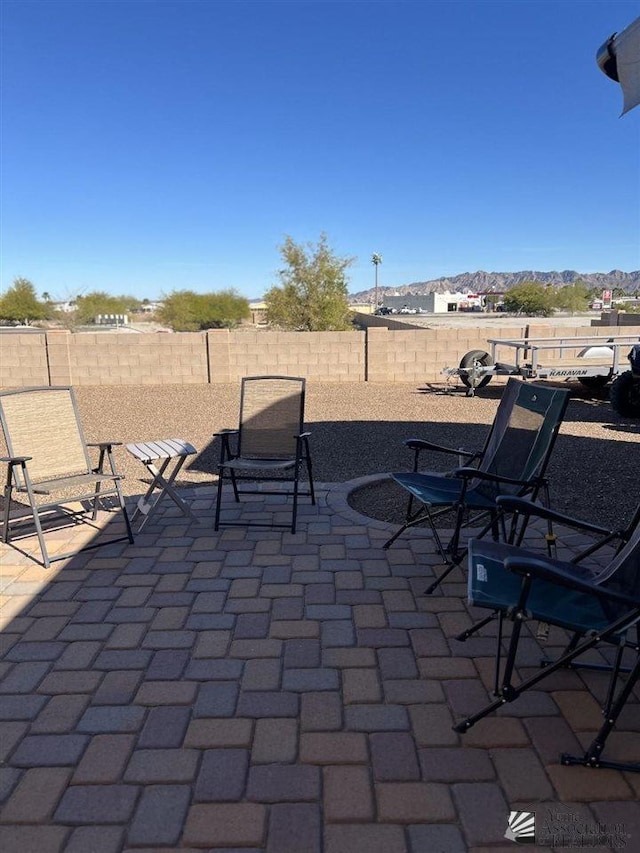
(593, 361)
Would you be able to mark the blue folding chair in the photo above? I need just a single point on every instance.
(513, 462)
(597, 606)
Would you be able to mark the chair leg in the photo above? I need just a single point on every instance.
(450, 564)
(216, 524)
(96, 498)
(418, 516)
(436, 583)
(234, 484)
(36, 517)
(510, 692)
(591, 757)
(309, 472)
(464, 635)
(294, 514)
(8, 491)
(616, 669)
(125, 513)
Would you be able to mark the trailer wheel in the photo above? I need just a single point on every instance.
(475, 356)
(625, 395)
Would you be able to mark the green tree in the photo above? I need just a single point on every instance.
(312, 296)
(20, 304)
(530, 297)
(572, 297)
(99, 302)
(186, 311)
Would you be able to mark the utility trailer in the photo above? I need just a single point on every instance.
(593, 361)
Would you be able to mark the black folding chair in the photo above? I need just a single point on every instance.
(513, 462)
(270, 443)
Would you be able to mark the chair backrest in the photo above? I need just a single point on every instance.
(271, 416)
(44, 423)
(523, 434)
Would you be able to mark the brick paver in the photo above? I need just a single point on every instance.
(261, 692)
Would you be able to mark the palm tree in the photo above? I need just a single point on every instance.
(376, 259)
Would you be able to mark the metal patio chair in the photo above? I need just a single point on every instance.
(47, 456)
(270, 442)
(513, 462)
(595, 606)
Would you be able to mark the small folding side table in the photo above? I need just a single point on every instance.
(160, 453)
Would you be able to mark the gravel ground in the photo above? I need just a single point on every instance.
(358, 429)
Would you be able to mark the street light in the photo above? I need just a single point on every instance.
(376, 259)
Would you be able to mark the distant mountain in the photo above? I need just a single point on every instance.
(474, 282)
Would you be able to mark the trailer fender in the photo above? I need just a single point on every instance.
(603, 353)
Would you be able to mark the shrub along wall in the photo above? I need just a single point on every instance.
(377, 355)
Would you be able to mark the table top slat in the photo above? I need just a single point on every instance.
(166, 448)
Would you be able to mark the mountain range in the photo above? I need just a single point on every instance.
(474, 282)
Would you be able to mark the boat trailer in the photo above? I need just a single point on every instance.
(592, 361)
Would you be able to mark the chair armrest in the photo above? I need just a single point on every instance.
(473, 473)
(105, 444)
(536, 567)
(226, 453)
(423, 444)
(526, 507)
(304, 435)
(15, 460)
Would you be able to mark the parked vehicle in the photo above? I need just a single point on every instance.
(625, 388)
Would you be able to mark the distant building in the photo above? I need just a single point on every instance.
(66, 307)
(258, 313)
(435, 303)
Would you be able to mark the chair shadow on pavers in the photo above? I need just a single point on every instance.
(48, 456)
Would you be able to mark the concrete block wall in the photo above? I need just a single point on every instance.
(145, 359)
(324, 356)
(421, 354)
(377, 355)
(23, 360)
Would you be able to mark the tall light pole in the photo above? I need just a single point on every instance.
(376, 259)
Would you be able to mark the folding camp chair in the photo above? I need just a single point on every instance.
(512, 462)
(596, 606)
(270, 441)
(520, 508)
(48, 455)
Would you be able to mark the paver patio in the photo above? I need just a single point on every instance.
(253, 690)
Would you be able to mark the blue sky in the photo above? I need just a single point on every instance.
(151, 146)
